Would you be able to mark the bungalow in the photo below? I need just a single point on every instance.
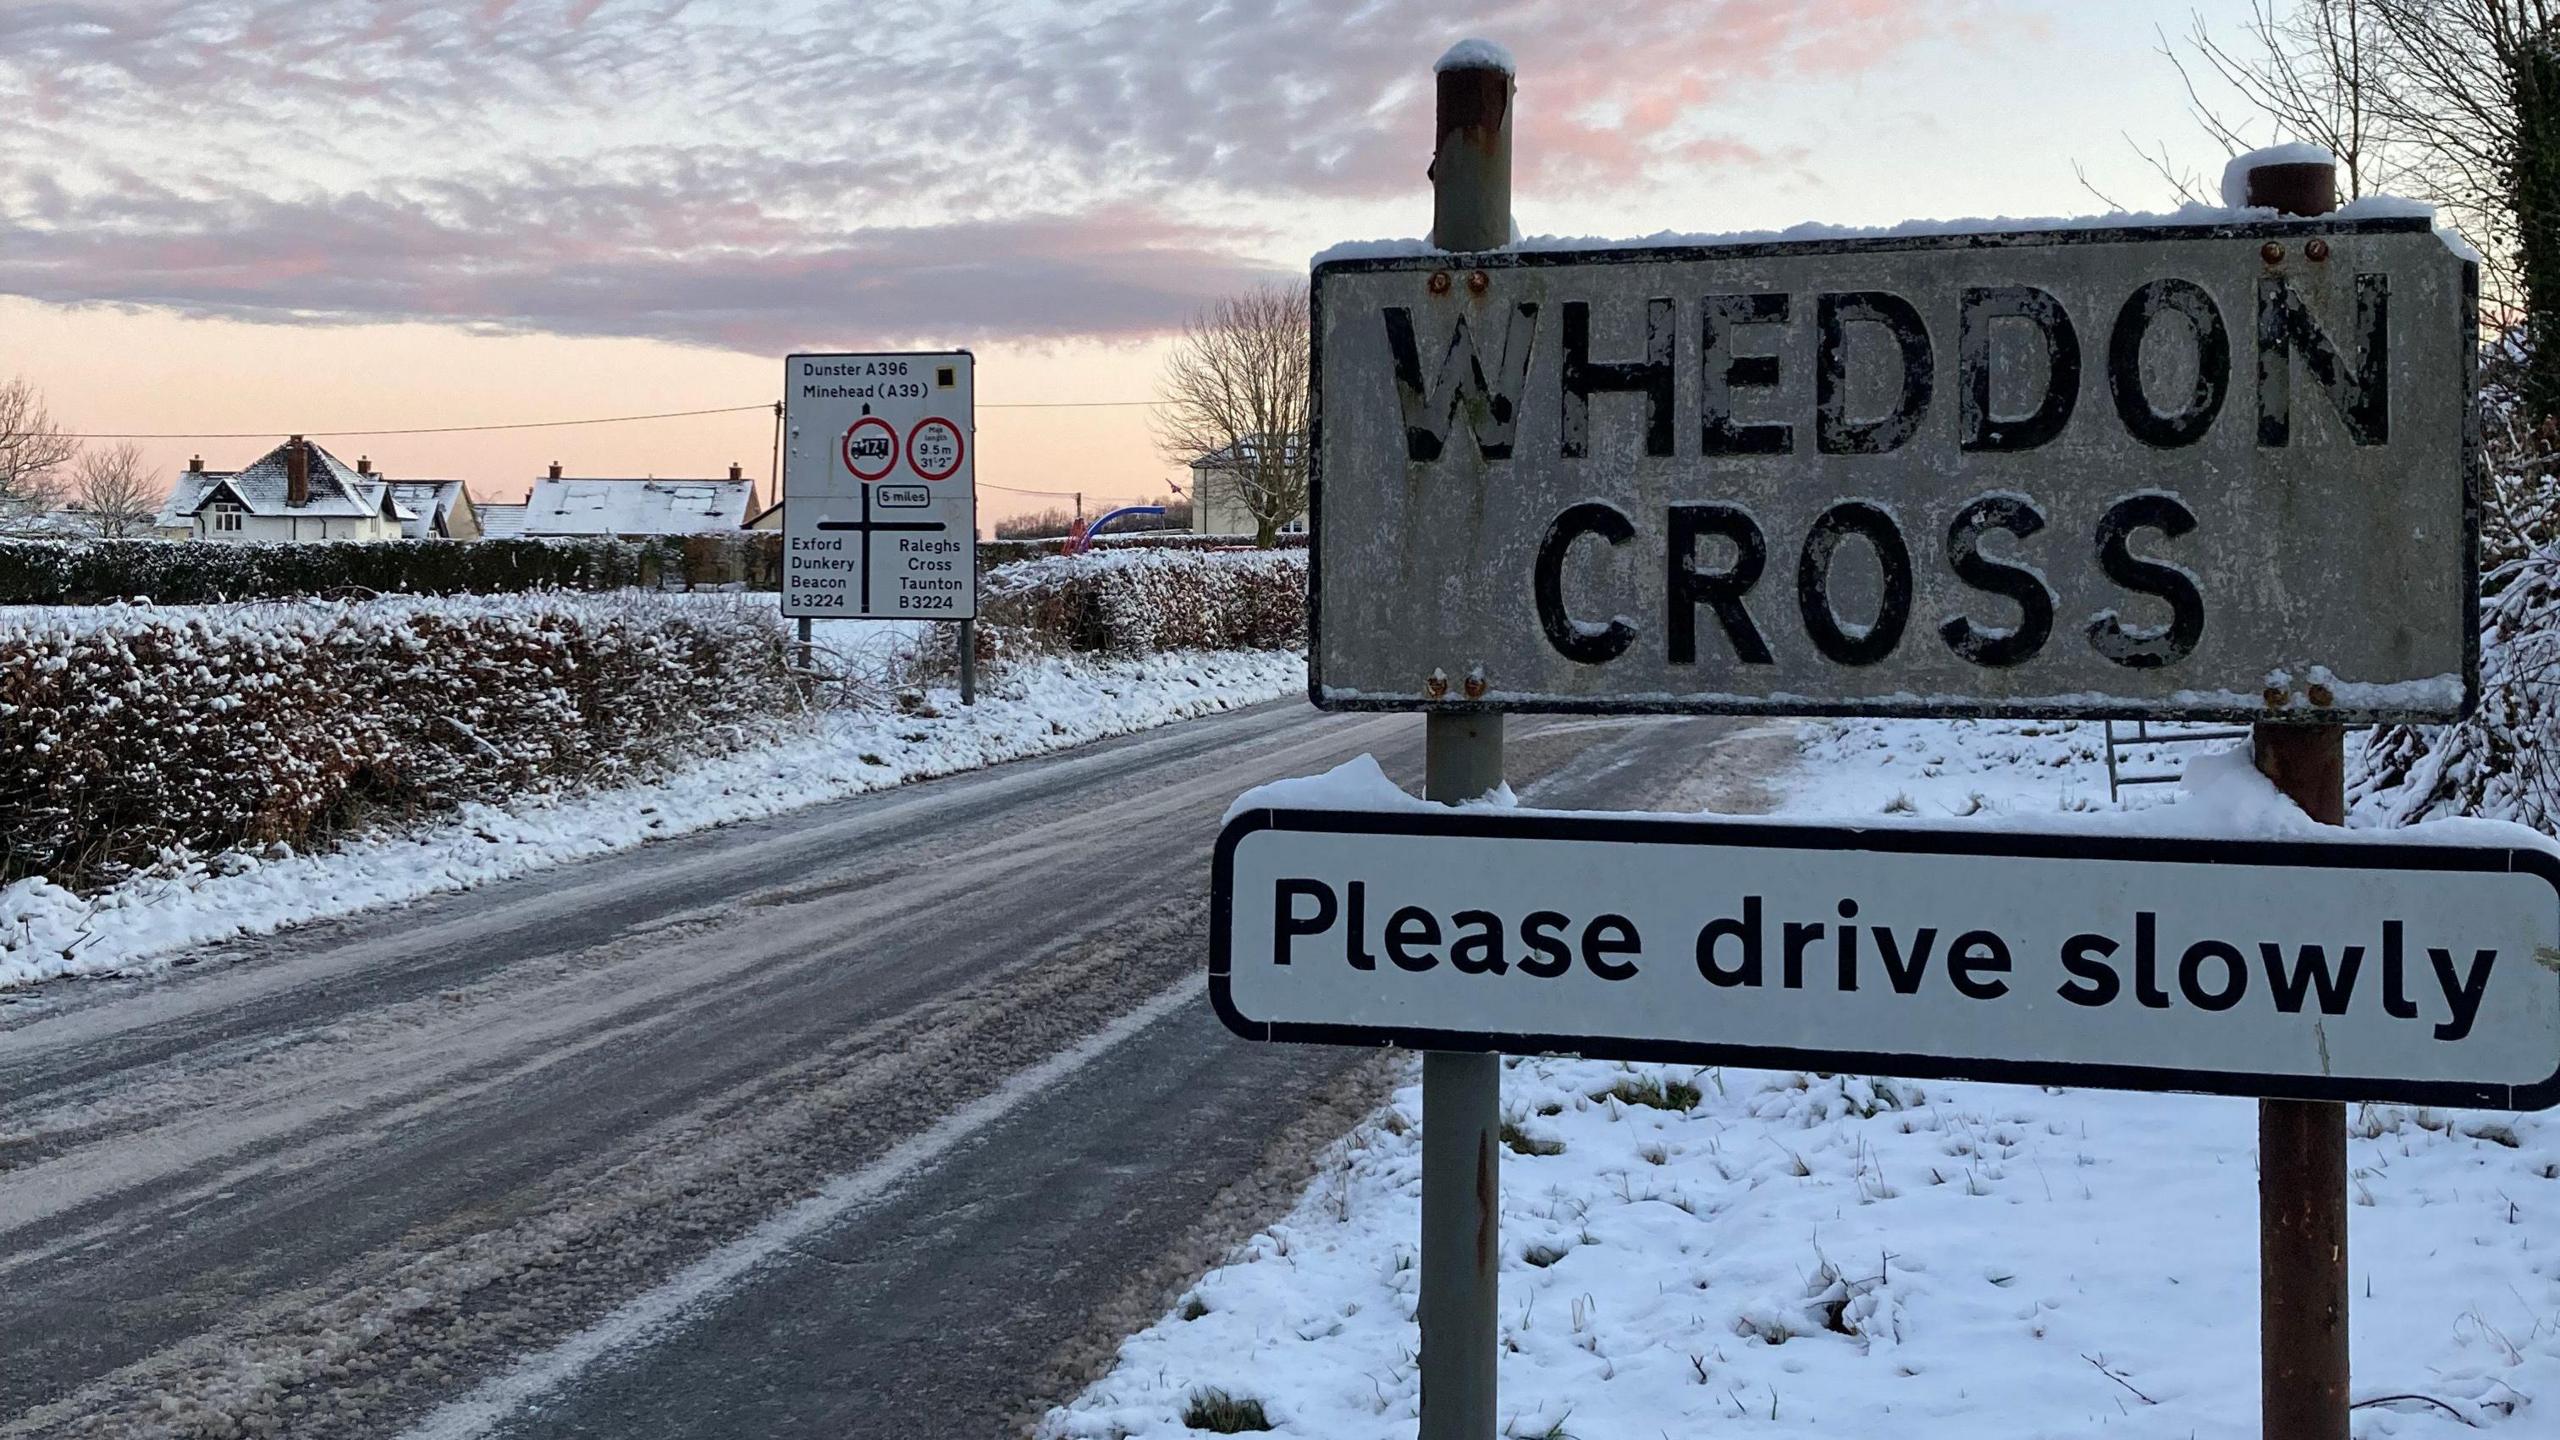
(442, 508)
(297, 491)
(635, 509)
(502, 522)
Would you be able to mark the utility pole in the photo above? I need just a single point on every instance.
(1462, 760)
(2302, 1144)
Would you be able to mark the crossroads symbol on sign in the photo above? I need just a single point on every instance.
(866, 527)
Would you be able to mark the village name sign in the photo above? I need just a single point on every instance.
(2211, 472)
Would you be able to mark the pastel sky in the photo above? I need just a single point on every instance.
(336, 215)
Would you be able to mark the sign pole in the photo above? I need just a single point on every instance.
(1462, 1094)
(968, 662)
(2302, 1144)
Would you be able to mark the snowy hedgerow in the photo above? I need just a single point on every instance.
(1139, 601)
(198, 572)
(130, 733)
(2498, 763)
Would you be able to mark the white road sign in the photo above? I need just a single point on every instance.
(879, 483)
(2212, 471)
(2340, 970)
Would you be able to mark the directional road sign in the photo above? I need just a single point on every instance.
(879, 487)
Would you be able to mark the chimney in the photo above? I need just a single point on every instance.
(195, 465)
(555, 469)
(737, 472)
(297, 473)
(364, 464)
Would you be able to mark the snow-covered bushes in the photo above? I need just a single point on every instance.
(1133, 601)
(2498, 763)
(194, 572)
(992, 553)
(126, 733)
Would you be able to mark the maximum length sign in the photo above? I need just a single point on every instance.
(879, 482)
(2208, 471)
(2328, 970)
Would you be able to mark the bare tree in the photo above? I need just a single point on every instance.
(2454, 101)
(2318, 71)
(1036, 524)
(121, 496)
(1236, 395)
(33, 451)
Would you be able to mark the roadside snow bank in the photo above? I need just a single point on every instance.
(48, 931)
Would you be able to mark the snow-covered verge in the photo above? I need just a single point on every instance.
(1826, 1256)
(1783, 1254)
(1037, 707)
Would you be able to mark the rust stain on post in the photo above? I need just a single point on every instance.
(1475, 110)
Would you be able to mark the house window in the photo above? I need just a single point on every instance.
(226, 516)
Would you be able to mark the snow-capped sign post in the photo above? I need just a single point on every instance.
(2215, 470)
(879, 482)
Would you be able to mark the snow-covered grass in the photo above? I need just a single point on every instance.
(1037, 707)
(1825, 1256)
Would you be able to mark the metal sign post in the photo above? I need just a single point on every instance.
(2302, 1144)
(1462, 1093)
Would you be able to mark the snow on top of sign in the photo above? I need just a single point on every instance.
(1477, 55)
(2235, 176)
(2369, 207)
(2223, 797)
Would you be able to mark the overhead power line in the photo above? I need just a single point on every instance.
(558, 424)
(429, 429)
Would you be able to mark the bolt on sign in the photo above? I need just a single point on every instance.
(2204, 472)
(2311, 969)
(879, 483)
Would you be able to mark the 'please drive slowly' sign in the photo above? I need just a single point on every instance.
(2207, 472)
(2316, 969)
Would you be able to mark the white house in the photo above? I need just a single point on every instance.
(581, 505)
(443, 508)
(297, 491)
(1217, 493)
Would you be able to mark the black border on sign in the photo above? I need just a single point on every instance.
(1987, 709)
(1612, 829)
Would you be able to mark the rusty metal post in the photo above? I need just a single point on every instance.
(2302, 1144)
(1462, 1094)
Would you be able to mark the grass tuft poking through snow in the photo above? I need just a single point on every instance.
(1220, 1413)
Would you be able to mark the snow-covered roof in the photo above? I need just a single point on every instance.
(581, 506)
(337, 490)
(427, 506)
(501, 522)
(1241, 453)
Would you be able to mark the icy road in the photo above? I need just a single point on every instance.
(884, 1118)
